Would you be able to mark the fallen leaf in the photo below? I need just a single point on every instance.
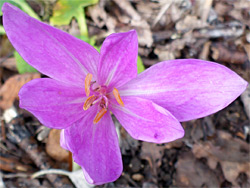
(53, 147)
(231, 153)
(191, 172)
(9, 91)
(153, 154)
(231, 170)
(9, 63)
(189, 23)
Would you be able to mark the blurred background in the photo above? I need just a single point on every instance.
(215, 149)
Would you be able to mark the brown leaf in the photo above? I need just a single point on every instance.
(153, 154)
(231, 153)
(231, 170)
(189, 23)
(9, 63)
(53, 147)
(191, 172)
(9, 91)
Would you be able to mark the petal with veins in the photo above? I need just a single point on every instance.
(54, 104)
(145, 120)
(95, 147)
(118, 59)
(50, 50)
(188, 88)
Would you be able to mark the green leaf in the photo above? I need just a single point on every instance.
(22, 4)
(140, 66)
(2, 31)
(65, 10)
(90, 41)
(23, 66)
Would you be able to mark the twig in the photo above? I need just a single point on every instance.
(162, 11)
(21, 136)
(17, 175)
(50, 171)
(223, 54)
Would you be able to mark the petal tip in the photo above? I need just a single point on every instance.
(7, 6)
(96, 182)
(133, 31)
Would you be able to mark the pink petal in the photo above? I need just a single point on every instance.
(118, 59)
(55, 104)
(95, 147)
(145, 120)
(188, 88)
(51, 51)
(63, 141)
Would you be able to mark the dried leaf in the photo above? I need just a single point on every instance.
(189, 23)
(9, 91)
(9, 63)
(153, 154)
(53, 147)
(231, 170)
(231, 153)
(191, 172)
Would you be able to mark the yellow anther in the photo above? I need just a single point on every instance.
(118, 97)
(87, 82)
(99, 115)
(88, 103)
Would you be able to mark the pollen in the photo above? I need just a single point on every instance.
(117, 96)
(89, 102)
(99, 115)
(87, 82)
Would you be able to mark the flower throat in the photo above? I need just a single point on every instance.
(99, 96)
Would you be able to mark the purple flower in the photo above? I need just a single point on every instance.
(85, 86)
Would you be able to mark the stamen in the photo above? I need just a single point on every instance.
(89, 102)
(118, 97)
(99, 115)
(87, 82)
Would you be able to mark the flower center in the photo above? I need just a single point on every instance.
(100, 97)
